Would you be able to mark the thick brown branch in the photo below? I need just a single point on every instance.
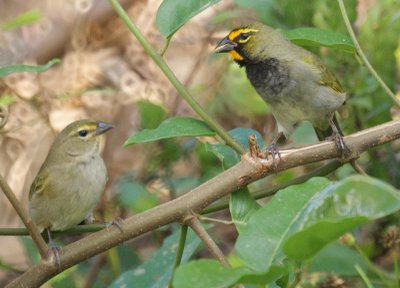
(247, 171)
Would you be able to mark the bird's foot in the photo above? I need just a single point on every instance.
(340, 144)
(116, 223)
(54, 251)
(273, 150)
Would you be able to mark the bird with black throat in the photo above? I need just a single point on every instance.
(294, 82)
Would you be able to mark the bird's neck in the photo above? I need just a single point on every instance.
(269, 76)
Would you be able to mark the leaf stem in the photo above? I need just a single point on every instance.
(364, 277)
(183, 92)
(166, 44)
(383, 275)
(362, 56)
(179, 252)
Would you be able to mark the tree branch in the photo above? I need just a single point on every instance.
(248, 170)
(196, 226)
(32, 229)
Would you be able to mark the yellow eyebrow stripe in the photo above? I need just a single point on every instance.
(239, 31)
(88, 127)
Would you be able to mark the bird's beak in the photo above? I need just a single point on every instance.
(225, 45)
(103, 127)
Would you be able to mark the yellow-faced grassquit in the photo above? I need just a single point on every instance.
(72, 178)
(291, 80)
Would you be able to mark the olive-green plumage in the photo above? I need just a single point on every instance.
(293, 81)
(71, 179)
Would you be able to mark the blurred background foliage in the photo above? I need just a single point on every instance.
(105, 74)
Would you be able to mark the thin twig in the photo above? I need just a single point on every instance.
(183, 92)
(196, 226)
(94, 269)
(80, 229)
(246, 171)
(181, 248)
(32, 229)
(362, 55)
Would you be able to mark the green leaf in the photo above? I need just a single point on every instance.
(225, 154)
(172, 127)
(23, 19)
(241, 135)
(303, 245)
(172, 14)
(5, 70)
(156, 272)
(346, 204)
(135, 196)
(300, 220)
(337, 259)
(320, 37)
(260, 242)
(151, 114)
(242, 206)
(211, 274)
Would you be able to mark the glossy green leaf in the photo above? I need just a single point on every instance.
(211, 274)
(260, 242)
(156, 272)
(242, 206)
(170, 128)
(337, 259)
(346, 204)
(320, 37)
(23, 19)
(300, 220)
(5, 70)
(151, 115)
(172, 14)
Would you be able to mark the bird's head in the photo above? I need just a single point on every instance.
(80, 137)
(247, 44)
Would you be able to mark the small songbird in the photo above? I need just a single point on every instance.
(291, 80)
(72, 178)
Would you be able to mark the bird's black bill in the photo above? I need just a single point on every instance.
(103, 127)
(225, 45)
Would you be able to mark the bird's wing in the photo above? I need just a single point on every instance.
(327, 78)
(39, 184)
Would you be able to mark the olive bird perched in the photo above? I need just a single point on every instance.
(291, 80)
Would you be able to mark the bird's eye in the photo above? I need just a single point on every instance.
(244, 37)
(83, 133)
